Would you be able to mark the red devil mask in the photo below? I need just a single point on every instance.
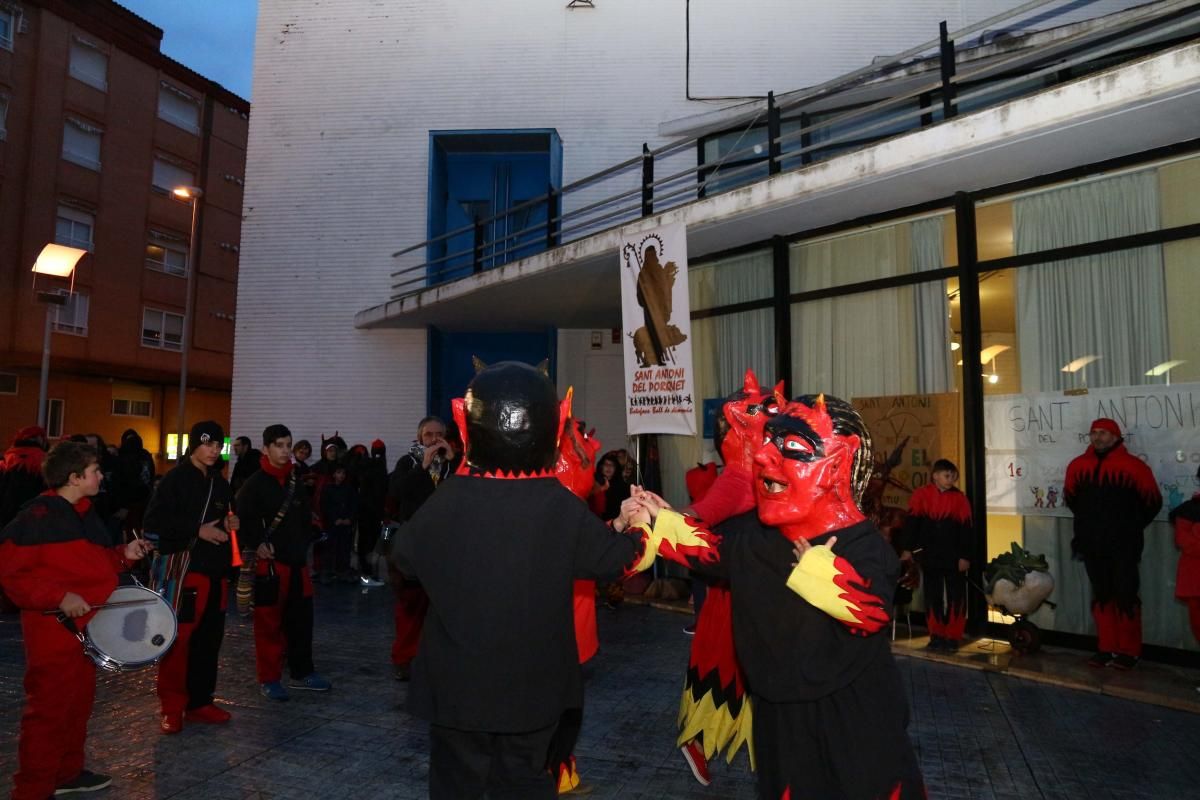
(739, 429)
(805, 472)
(577, 459)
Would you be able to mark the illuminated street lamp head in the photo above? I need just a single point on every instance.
(57, 260)
(187, 192)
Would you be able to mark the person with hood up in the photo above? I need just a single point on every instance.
(133, 480)
(21, 471)
(372, 497)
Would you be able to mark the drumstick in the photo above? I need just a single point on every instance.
(52, 611)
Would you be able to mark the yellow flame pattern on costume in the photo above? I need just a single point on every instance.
(718, 726)
(831, 584)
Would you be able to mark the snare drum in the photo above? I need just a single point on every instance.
(129, 637)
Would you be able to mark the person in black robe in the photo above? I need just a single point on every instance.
(497, 548)
(812, 584)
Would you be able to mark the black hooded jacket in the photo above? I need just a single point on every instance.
(184, 500)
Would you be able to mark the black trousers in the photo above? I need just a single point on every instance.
(849, 745)
(298, 626)
(464, 765)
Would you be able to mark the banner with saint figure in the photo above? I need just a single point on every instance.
(657, 332)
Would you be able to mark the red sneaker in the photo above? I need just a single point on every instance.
(209, 714)
(693, 754)
(171, 723)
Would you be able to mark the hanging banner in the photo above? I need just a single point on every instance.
(1032, 437)
(657, 328)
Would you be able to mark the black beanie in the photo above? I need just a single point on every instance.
(205, 432)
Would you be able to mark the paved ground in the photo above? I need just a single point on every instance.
(979, 734)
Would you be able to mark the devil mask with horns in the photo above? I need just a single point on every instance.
(510, 421)
(812, 468)
(738, 430)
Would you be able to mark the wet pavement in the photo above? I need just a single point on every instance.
(978, 733)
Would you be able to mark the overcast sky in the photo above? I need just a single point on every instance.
(212, 37)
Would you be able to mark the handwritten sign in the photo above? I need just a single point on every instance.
(1031, 439)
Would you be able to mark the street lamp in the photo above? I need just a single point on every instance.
(56, 261)
(192, 194)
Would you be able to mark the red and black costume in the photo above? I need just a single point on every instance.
(185, 499)
(51, 548)
(1113, 496)
(1186, 519)
(284, 626)
(939, 532)
(829, 708)
(714, 710)
(498, 550)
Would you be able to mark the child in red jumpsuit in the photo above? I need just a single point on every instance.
(56, 554)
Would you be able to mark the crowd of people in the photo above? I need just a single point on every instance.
(785, 659)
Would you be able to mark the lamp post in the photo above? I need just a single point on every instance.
(192, 193)
(57, 261)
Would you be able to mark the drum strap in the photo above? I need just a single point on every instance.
(288, 494)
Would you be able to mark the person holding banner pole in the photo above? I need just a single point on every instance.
(1114, 496)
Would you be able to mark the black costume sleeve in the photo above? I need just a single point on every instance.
(604, 554)
(249, 509)
(167, 515)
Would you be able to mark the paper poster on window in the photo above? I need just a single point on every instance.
(908, 433)
(657, 332)
(1032, 437)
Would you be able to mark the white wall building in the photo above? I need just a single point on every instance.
(338, 168)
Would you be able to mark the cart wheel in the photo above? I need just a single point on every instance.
(1024, 637)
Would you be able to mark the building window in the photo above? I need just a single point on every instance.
(162, 329)
(131, 408)
(167, 253)
(56, 409)
(74, 228)
(479, 175)
(72, 316)
(89, 64)
(8, 383)
(81, 143)
(8, 26)
(178, 108)
(167, 176)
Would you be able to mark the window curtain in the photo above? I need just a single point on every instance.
(893, 341)
(1113, 306)
(722, 348)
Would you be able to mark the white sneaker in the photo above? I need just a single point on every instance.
(367, 581)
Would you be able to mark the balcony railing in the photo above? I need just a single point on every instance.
(930, 83)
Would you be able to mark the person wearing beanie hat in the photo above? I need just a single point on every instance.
(190, 512)
(1114, 496)
(21, 471)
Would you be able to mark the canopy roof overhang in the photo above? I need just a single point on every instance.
(1150, 103)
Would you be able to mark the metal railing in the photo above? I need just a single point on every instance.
(957, 87)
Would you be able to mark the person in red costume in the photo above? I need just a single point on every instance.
(938, 530)
(811, 583)
(57, 553)
(1186, 519)
(575, 470)
(1113, 495)
(714, 710)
